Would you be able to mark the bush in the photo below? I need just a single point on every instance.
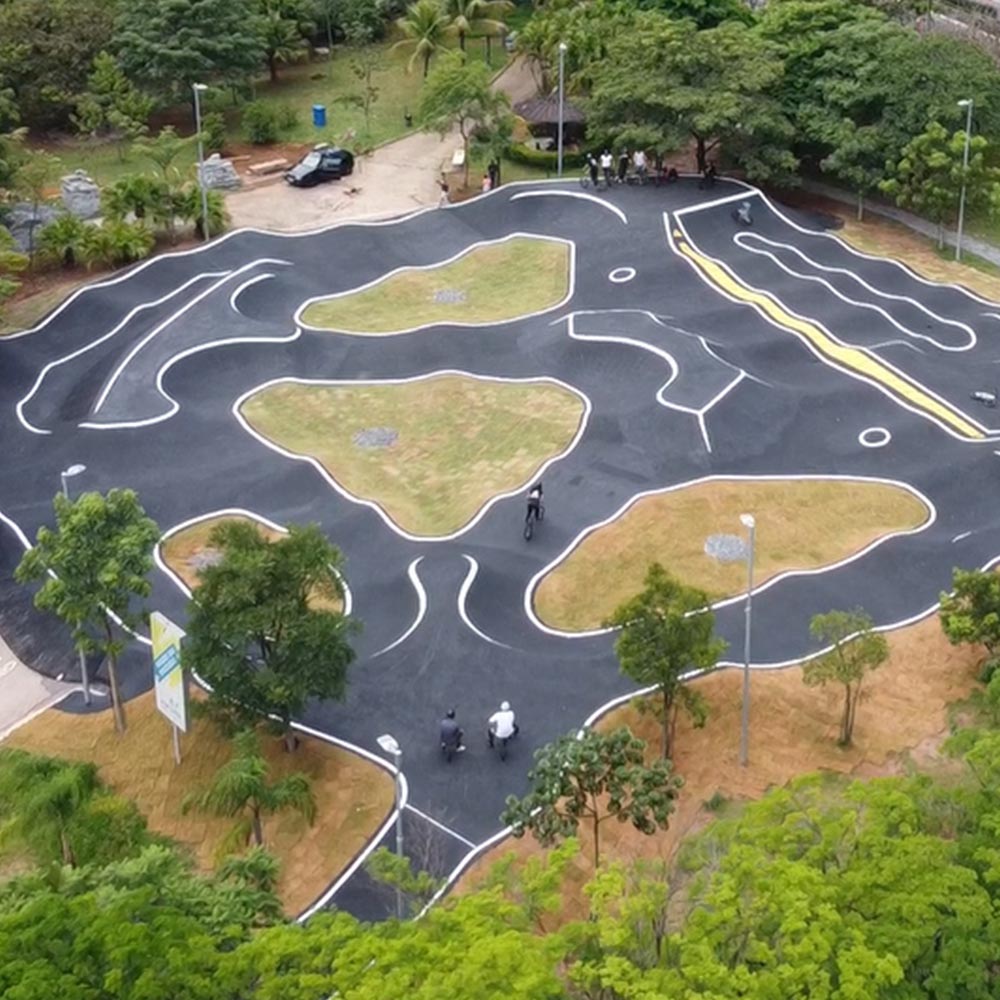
(108, 828)
(287, 117)
(213, 128)
(262, 123)
(116, 243)
(62, 240)
(543, 159)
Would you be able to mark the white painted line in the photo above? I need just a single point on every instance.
(581, 195)
(160, 327)
(874, 437)
(958, 538)
(411, 572)
(565, 554)
(242, 288)
(440, 826)
(620, 275)
(463, 593)
(488, 324)
(100, 340)
(745, 240)
(231, 512)
(371, 504)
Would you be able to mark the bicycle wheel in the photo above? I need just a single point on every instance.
(585, 182)
(541, 512)
(529, 528)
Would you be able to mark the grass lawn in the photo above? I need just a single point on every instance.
(189, 550)
(800, 525)
(460, 440)
(353, 796)
(493, 283)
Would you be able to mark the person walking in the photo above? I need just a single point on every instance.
(487, 184)
(443, 200)
(592, 166)
(606, 162)
(502, 727)
(623, 159)
(452, 737)
(494, 171)
(639, 164)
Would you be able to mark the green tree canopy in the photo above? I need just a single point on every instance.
(93, 567)
(971, 612)
(667, 631)
(112, 106)
(167, 45)
(591, 777)
(425, 28)
(255, 632)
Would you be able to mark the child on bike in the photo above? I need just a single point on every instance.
(534, 502)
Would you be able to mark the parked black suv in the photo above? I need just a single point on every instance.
(320, 164)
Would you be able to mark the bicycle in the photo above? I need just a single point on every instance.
(587, 182)
(499, 743)
(529, 519)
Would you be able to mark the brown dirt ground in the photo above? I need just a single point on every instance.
(352, 796)
(902, 720)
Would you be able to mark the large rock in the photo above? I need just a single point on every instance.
(21, 219)
(81, 195)
(219, 173)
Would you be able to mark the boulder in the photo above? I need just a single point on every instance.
(81, 195)
(21, 218)
(218, 173)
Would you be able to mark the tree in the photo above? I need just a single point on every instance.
(41, 797)
(32, 181)
(164, 150)
(460, 95)
(857, 651)
(425, 28)
(112, 106)
(62, 239)
(282, 26)
(241, 788)
(476, 17)
(664, 84)
(94, 564)
(667, 632)
(12, 261)
(258, 631)
(168, 45)
(139, 195)
(187, 206)
(971, 612)
(930, 175)
(593, 777)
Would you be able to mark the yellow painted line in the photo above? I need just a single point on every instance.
(851, 358)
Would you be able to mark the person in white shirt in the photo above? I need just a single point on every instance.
(606, 162)
(502, 726)
(639, 163)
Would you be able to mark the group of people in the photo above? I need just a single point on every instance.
(500, 727)
(616, 170)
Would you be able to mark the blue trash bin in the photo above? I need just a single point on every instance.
(319, 115)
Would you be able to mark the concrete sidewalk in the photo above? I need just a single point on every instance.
(24, 693)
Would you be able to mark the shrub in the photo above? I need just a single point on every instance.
(287, 117)
(138, 195)
(544, 159)
(213, 128)
(108, 828)
(188, 207)
(116, 243)
(261, 123)
(62, 239)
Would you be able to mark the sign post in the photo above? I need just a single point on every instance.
(169, 679)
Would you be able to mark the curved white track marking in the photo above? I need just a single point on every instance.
(230, 512)
(582, 195)
(992, 315)
(744, 239)
(100, 340)
(874, 437)
(489, 324)
(620, 275)
(242, 288)
(347, 495)
(529, 591)
(958, 538)
(174, 406)
(849, 372)
(109, 385)
(698, 414)
(463, 593)
(411, 572)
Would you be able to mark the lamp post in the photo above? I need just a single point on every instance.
(967, 104)
(562, 100)
(198, 89)
(64, 476)
(748, 522)
(390, 746)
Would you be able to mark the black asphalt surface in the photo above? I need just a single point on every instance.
(165, 427)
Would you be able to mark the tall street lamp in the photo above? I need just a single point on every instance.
(390, 746)
(562, 101)
(65, 476)
(748, 522)
(967, 104)
(198, 89)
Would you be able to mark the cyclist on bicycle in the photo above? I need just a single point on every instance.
(535, 502)
(501, 725)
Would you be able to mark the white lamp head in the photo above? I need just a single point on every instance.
(389, 745)
(563, 46)
(200, 87)
(748, 521)
(966, 102)
(74, 470)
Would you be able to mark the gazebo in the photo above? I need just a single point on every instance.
(542, 117)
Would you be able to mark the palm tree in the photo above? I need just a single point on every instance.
(425, 27)
(139, 195)
(62, 239)
(281, 37)
(241, 789)
(188, 207)
(44, 795)
(476, 16)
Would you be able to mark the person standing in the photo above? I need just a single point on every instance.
(487, 183)
(494, 171)
(502, 727)
(443, 200)
(639, 163)
(606, 167)
(623, 159)
(592, 165)
(452, 737)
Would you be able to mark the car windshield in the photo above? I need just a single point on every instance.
(311, 160)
